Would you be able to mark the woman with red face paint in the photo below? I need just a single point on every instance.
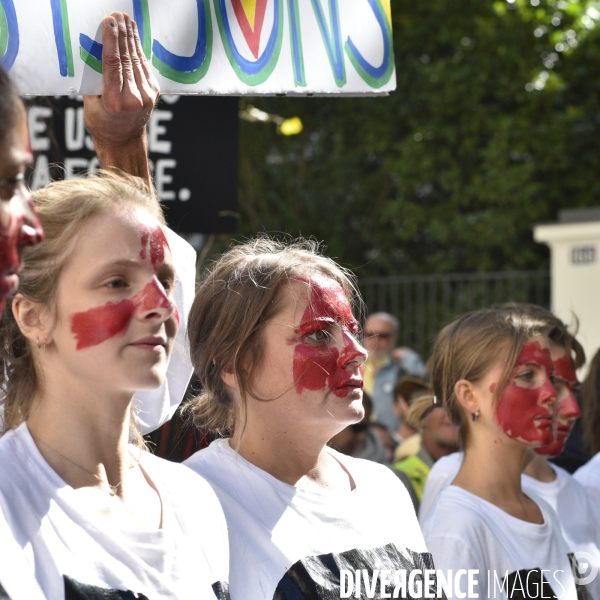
(492, 370)
(276, 346)
(92, 323)
(116, 122)
(589, 474)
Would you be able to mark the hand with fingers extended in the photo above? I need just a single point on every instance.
(117, 118)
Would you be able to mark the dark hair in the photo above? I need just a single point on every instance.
(10, 104)
(591, 405)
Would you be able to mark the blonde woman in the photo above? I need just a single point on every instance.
(92, 323)
(493, 371)
(276, 345)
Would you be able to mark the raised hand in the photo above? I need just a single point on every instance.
(117, 118)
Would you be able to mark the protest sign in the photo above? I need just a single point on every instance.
(193, 147)
(344, 47)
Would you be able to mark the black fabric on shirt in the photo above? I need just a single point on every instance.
(318, 577)
(221, 590)
(81, 591)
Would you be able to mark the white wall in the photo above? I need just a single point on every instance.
(575, 276)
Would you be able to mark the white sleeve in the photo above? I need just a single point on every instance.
(158, 406)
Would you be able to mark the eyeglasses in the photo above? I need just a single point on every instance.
(383, 336)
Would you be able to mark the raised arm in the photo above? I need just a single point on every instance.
(117, 118)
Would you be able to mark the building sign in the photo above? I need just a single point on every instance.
(583, 255)
(193, 145)
(53, 47)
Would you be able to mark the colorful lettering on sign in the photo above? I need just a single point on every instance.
(9, 34)
(258, 71)
(188, 69)
(91, 51)
(62, 37)
(376, 77)
(332, 39)
(296, 44)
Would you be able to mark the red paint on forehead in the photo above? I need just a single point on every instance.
(533, 352)
(99, 324)
(154, 241)
(565, 367)
(327, 301)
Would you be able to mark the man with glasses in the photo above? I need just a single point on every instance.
(385, 365)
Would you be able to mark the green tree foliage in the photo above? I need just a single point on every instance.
(494, 126)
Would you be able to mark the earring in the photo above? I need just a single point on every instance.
(475, 415)
(41, 346)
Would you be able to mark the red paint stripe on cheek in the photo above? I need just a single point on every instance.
(312, 367)
(94, 326)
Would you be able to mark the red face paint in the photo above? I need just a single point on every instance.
(525, 413)
(567, 409)
(319, 365)
(21, 230)
(96, 325)
(154, 243)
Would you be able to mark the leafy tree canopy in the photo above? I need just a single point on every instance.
(494, 126)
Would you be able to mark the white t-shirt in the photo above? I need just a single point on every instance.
(73, 550)
(589, 477)
(565, 495)
(467, 532)
(578, 520)
(289, 543)
(440, 476)
(15, 572)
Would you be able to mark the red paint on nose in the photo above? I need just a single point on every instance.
(352, 350)
(153, 296)
(568, 408)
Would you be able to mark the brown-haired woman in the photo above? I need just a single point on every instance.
(276, 346)
(589, 474)
(492, 371)
(92, 323)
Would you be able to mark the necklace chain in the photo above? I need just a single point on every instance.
(113, 488)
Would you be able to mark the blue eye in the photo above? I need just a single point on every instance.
(116, 284)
